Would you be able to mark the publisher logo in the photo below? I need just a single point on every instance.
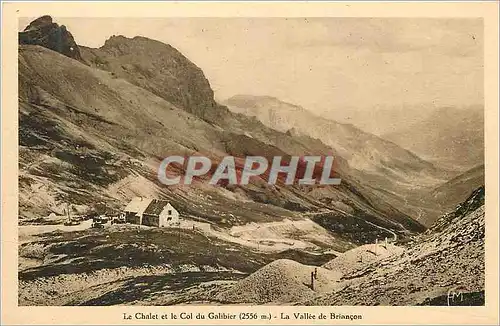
(455, 296)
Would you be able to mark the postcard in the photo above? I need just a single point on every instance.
(249, 163)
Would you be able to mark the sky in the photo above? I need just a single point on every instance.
(322, 64)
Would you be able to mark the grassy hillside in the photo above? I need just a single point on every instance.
(88, 137)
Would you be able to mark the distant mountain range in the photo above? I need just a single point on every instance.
(363, 151)
(95, 123)
(396, 174)
(450, 137)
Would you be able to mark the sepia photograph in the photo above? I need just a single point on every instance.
(249, 167)
(396, 103)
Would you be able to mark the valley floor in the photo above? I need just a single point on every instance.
(72, 265)
(287, 262)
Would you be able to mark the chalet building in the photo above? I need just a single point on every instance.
(151, 212)
(135, 209)
(160, 213)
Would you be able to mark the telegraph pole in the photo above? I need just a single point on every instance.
(67, 213)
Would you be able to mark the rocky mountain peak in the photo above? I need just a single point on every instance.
(258, 101)
(40, 22)
(160, 69)
(44, 32)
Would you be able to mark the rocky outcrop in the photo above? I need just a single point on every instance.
(42, 31)
(159, 68)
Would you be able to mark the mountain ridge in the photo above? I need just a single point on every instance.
(93, 133)
(43, 31)
(450, 137)
(107, 136)
(256, 103)
(393, 173)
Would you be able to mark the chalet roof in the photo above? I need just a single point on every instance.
(138, 205)
(156, 207)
